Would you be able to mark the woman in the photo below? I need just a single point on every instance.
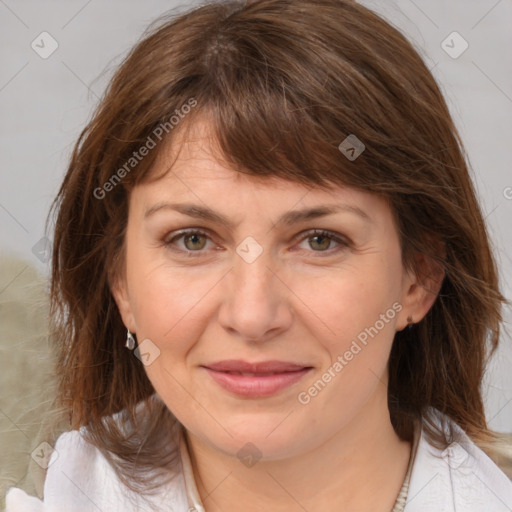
(212, 356)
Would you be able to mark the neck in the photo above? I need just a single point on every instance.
(362, 467)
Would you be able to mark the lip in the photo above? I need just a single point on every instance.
(238, 365)
(266, 378)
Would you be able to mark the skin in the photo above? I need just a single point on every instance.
(302, 300)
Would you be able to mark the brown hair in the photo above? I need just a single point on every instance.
(283, 82)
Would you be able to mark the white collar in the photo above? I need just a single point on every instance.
(461, 478)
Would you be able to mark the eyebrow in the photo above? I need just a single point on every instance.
(287, 219)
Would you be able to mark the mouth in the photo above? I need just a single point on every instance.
(256, 380)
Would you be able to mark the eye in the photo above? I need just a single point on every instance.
(320, 240)
(193, 239)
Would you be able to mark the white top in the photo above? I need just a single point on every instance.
(461, 478)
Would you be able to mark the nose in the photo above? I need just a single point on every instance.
(255, 301)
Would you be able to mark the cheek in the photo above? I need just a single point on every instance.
(354, 321)
(169, 303)
(343, 304)
(356, 332)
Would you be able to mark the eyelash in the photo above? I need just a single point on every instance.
(309, 234)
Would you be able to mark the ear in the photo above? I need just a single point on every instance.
(119, 291)
(421, 288)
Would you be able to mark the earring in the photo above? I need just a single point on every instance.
(410, 322)
(130, 340)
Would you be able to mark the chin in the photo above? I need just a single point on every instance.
(262, 438)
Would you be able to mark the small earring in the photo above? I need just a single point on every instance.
(410, 322)
(130, 340)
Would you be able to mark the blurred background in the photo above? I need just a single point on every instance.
(57, 57)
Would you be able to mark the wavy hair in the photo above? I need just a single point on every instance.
(283, 83)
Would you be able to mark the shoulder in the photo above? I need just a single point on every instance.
(61, 471)
(79, 478)
(460, 477)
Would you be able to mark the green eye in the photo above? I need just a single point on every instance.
(194, 241)
(323, 239)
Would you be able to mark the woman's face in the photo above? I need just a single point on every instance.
(259, 286)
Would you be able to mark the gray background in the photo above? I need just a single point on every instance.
(45, 103)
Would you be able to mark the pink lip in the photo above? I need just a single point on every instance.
(238, 365)
(227, 375)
